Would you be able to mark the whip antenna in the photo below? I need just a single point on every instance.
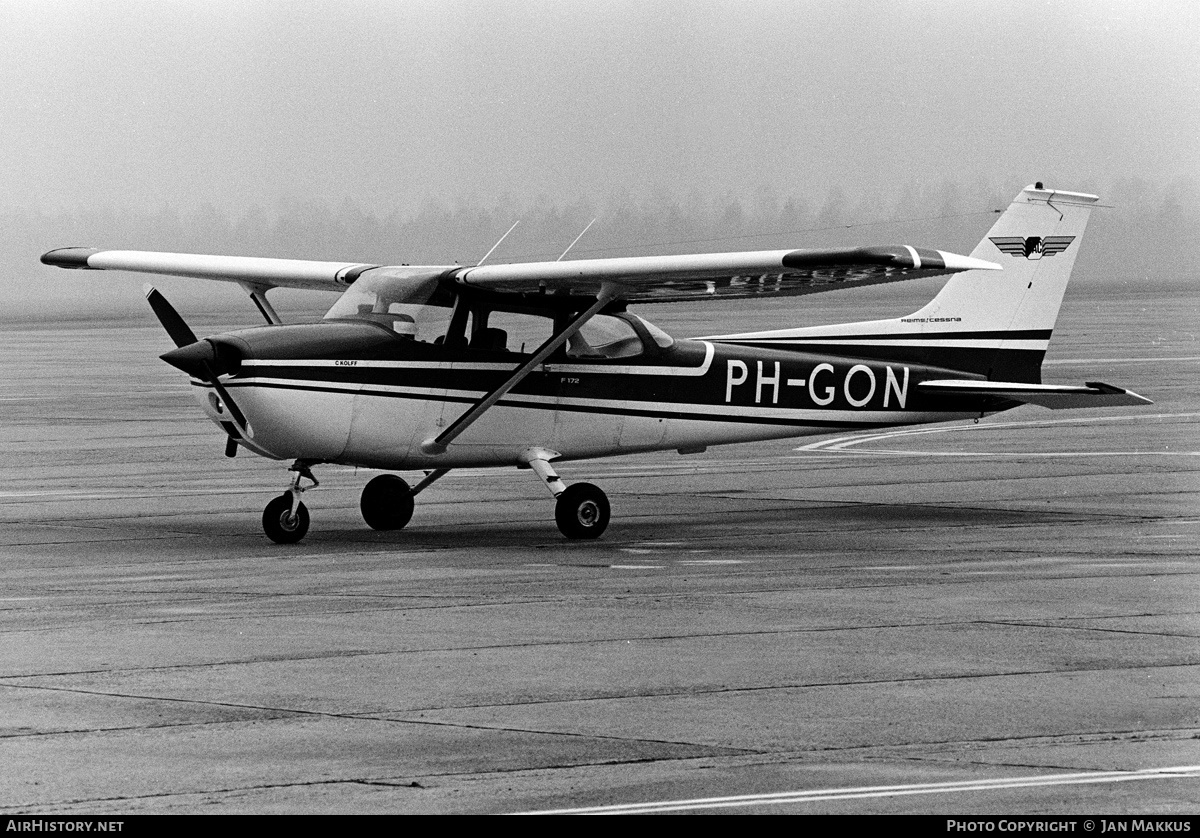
(497, 244)
(577, 238)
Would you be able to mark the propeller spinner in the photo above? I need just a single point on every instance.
(200, 359)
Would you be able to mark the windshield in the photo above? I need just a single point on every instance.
(406, 300)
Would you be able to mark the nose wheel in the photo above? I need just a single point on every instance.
(281, 523)
(285, 520)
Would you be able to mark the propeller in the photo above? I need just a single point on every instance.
(199, 358)
(178, 330)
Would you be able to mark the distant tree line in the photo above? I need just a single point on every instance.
(1151, 233)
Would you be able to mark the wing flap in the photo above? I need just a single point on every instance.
(704, 276)
(1053, 396)
(252, 270)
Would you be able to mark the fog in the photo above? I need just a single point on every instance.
(387, 131)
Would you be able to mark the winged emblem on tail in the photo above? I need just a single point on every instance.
(1034, 247)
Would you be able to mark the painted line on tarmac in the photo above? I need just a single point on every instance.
(132, 493)
(1027, 454)
(865, 792)
(1119, 360)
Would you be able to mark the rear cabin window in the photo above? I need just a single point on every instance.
(605, 336)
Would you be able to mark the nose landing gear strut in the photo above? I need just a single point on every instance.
(285, 520)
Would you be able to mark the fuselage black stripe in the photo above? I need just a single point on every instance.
(570, 408)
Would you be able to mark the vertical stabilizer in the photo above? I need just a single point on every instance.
(1036, 240)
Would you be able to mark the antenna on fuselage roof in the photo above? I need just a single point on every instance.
(577, 238)
(497, 244)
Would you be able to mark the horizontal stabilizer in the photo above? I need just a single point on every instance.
(1053, 396)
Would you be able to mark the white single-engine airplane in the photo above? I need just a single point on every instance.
(442, 367)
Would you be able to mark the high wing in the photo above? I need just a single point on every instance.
(251, 270)
(705, 276)
(637, 278)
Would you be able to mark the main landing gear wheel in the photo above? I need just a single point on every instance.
(279, 523)
(582, 511)
(387, 503)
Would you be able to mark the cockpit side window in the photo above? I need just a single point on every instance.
(414, 304)
(497, 330)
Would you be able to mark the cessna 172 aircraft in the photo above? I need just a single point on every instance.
(441, 367)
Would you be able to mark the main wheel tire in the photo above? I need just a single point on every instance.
(387, 503)
(582, 511)
(278, 523)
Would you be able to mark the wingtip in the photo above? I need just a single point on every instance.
(70, 257)
(955, 262)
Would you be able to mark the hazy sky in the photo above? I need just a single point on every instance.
(141, 104)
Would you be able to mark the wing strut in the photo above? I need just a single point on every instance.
(437, 445)
(258, 293)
